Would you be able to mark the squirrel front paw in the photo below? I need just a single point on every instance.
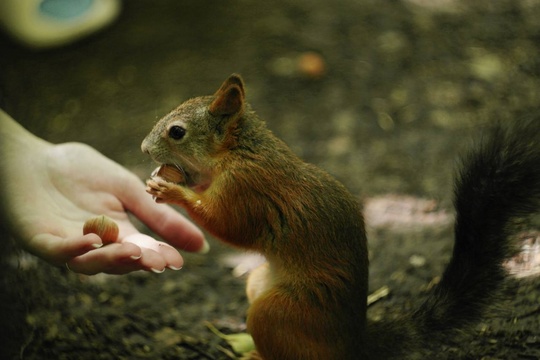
(161, 190)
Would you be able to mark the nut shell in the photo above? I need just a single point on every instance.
(170, 173)
(103, 226)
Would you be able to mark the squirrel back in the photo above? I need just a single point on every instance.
(247, 188)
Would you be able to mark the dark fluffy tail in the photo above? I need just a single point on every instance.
(497, 188)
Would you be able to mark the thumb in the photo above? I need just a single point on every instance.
(58, 250)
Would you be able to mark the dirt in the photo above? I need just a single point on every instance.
(390, 93)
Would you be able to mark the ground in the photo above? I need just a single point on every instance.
(382, 94)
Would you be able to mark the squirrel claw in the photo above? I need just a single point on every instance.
(155, 186)
(160, 189)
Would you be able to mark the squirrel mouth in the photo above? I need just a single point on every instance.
(172, 173)
(180, 175)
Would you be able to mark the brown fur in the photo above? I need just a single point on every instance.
(248, 189)
(259, 196)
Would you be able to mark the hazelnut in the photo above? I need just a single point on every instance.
(103, 226)
(170, 173)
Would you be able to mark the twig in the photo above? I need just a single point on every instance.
(378, 295)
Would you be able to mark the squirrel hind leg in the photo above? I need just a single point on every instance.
(285, 326)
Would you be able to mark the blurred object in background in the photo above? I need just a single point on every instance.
(51, 23)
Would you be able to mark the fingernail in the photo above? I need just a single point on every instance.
(157, 271)
(134, 257)
(205, 248)
(97, 246)
(174, 268)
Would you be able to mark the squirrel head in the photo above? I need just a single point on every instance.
(193, 134)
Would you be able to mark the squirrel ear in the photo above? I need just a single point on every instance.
(229, 98)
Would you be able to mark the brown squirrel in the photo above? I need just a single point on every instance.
(247, 188)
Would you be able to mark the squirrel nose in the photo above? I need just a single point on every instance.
(144, 147)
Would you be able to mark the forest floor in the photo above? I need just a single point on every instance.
(382, 94)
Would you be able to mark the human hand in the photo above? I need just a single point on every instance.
(51, 190)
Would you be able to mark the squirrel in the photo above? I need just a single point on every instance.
(308, 301)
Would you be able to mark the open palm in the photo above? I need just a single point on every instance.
(50, 190)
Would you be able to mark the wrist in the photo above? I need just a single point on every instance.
(21, 164)
(16, 140)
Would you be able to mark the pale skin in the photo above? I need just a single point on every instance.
(48, 191)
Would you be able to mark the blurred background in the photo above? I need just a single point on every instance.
(383, 94)
(343, 82)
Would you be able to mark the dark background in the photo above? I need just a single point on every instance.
(405, 87)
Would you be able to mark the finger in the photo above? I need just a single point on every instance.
(176, 230)
(152, 260)
(172, 257)
(161, 255)
(163, 220)
(59, 250)
(111, 259)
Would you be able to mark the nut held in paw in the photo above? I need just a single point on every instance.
(170, 173)
(103, 226)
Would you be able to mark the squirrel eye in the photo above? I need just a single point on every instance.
(177, 132)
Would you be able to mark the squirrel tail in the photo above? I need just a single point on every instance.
(497, 189)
